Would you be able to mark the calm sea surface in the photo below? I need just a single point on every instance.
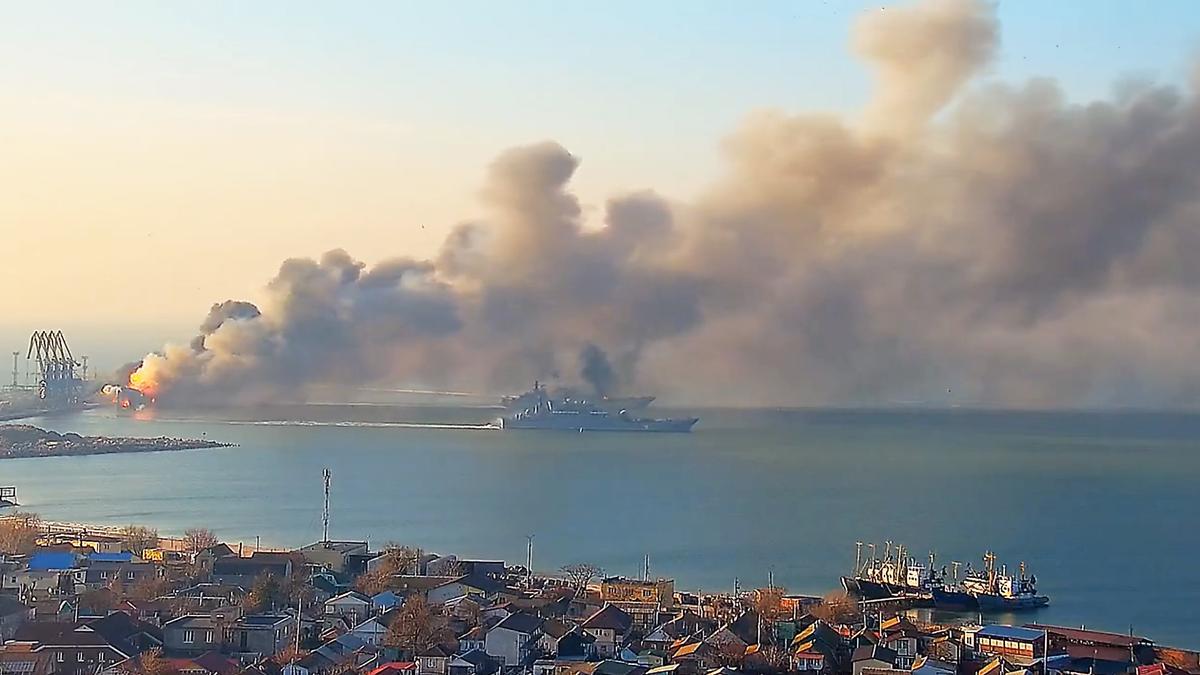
(1102, 506)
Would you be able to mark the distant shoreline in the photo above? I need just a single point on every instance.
(22, 441)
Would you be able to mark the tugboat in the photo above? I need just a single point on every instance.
(894, 575)
(990, 590)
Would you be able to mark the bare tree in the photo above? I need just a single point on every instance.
(150, 662)
(199, 539)
(836, 607)
(768, 602)
(137, 539)
(581, 574)
(19, 533)
(416, 628)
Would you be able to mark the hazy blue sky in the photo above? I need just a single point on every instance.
(295, 127)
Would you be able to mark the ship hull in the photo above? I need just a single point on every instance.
(997, 603)
(954, 601)
(581, 423)
(867, 589)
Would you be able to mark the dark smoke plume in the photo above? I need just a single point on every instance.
(596, 370)
(960, 242)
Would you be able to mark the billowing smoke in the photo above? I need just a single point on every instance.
(596, 370)
(960, 242)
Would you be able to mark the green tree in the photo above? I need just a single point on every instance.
(266, 593)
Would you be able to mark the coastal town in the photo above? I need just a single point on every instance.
(80, 600)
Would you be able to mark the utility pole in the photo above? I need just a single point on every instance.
(529, 557)
(325, 513)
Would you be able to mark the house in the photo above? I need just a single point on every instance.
(510, 641)
(484, 664)
(903, 637)
(351, 605)
(925, 665)
(47, 572)
(240, 571)
(343, 652)
(816, 647)
(471, 640)
(1017, 645)
(208, 596)
(395, 668)
(84, 647)
(382, 602)
(210, 663)
(694, 656)
(13, 615)
(1135, 650)
(433, 661)
(548, 635)
(372, 630)
(682, 625)
(149, 611)
(476, 586)
(22, 659)
(872, 657)
(103, 569)
(333, 555)
(808, 660)
(641, 599)
(263, 634)
(460, 666)
(325, 586)
(610, 625)
(575, 645)
(204, 559)
(195, 634)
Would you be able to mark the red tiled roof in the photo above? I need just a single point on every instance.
(394, 668)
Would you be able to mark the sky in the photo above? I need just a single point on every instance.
(157, 157)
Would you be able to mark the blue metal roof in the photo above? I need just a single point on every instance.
(386, 599)
(111, 557)
(51, 560)
(1011, 633)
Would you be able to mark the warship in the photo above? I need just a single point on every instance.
(537, 409)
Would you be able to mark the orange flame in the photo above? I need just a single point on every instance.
(144, 381)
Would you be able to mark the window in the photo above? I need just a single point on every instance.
(208, 636)
(188, 637)
(61, 657)
(100, 657)
(82, 657)
(130, 575)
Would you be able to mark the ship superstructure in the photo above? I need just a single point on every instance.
(538, 409)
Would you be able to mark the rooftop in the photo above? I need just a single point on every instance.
(1011, 633)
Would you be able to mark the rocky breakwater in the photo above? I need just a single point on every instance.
(22, 440)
